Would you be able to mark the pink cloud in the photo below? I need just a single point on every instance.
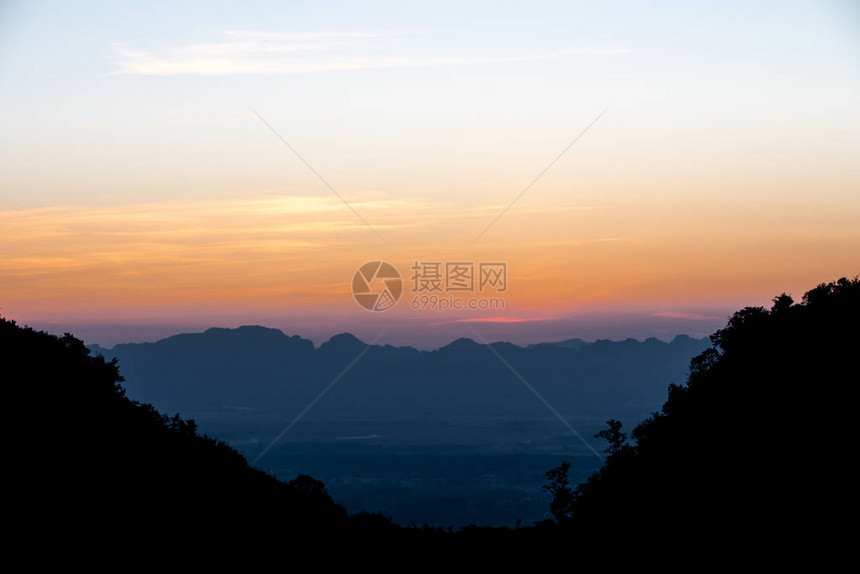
(685, 315)
(501, 319)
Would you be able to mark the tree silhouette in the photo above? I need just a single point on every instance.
(754, 442)
(558, 485)
(86, 450)
(614, 436)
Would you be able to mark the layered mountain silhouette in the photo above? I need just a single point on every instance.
(749, 458)
(450, 436)
(260, 368)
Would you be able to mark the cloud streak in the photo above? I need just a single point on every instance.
(266, 53)
(492, 320)
(690, 316)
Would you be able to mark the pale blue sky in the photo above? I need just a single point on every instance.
(718, 74)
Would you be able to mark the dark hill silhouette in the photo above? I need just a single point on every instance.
(343, 343)
(751, 452)
(92, 461)
(574, 343)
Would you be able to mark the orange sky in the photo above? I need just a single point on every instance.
(286, 254)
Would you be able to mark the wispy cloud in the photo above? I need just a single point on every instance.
(256, 52)
(502, 319)
(212, 120)
(263, 250)
(574, 242)
(692, 316)
(53, 239)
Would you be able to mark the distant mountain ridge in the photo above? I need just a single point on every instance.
(435, 425)
(262, 368)
(347, 339)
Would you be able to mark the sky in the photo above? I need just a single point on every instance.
(170, 167)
